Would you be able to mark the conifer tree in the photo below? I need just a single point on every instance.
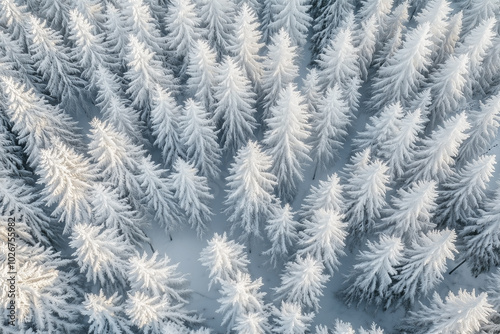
(367, 42)
(217, 17)
(88, 52)
(342, 327)
(201, 72)
(329, 125)
(365, 196)
(105, 314)
(157, 195)
(437, 153)
(235, 105)
(68, 179)
(494, 299)
(12, 19)
(250, 187)
(141, 24)
(280, 68)
(143, 73)
(224, 258)
(55, 13)
(183, 29)
(372, 275)
(401, 75)
(482, 237)
(281, 230)
(240, 296)
(302, 282)
(114, 107)
(11, 162)
(52, 60)
(116, 35)
(165, 117)
(464, 191)
(101, 253)
(450, 39)
(288, 130)
(113, 212)
(290, 319)
(399, 149)
(247, 43)
(311, 90)
(396, 21)
(157, 277)
(477, 11)
(198, 135)
(389, 48)
(35, 122)
(92, 11)
(490, 67)
(424, 264)
(447, 86)
(192, 193)
(374, 329)
(252, 323)
(378, 8)
(323, 238)
(484, 127)
(16, 62)
(436, 13)
(411, 211)
(328, 195)
(462, 313)
(291, 15)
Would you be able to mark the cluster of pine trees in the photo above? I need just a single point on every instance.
(214, 87)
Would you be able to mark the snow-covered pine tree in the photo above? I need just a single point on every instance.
(285, 138)
(141, 24)
(280, 68)
(475, 45)
(482, 238)
(327, 195)
(250, 190)
(490, 68)
(157, 277)
(183, 29)
(311, 90)
(114, 107)
(342, 327)
(52, 60)
(412, 211)
(464, 192)
(281, 230)
(378, 8)
(494, 298)
(88, 48)
(16, 62)
(389, 48)
(55, 13)
(34, 120)
(484, 127)
(399, 149)
(152, 314)
(302, 282)
(11, 159)
(252, 323)
(116, 35)
(447, 86)
(165, 116)
(331, 15)
(371, 276)
(401, 76)
(240, 296)
(323, 238)
(143, 73)
(235, 105)
(463, 313)
(436, 12)
(329, 125)
(365, 196)
(106, 315)
(437, 154)
(157, 195)
(247, 43)
(366, 39)
(374, 329)
(338, 61)
(113, 212)
(396, 22)
(217, 18)
(201, 72)
(450, 39)
(102, 254)
(117, 159)
(224, 258)
(289, 319)
(92, 11)
(199, 137)
(293, 16)
(12, 19)
(68, 179)
(380, 129)
(424, 264)
(476, 11)
(192, 193)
